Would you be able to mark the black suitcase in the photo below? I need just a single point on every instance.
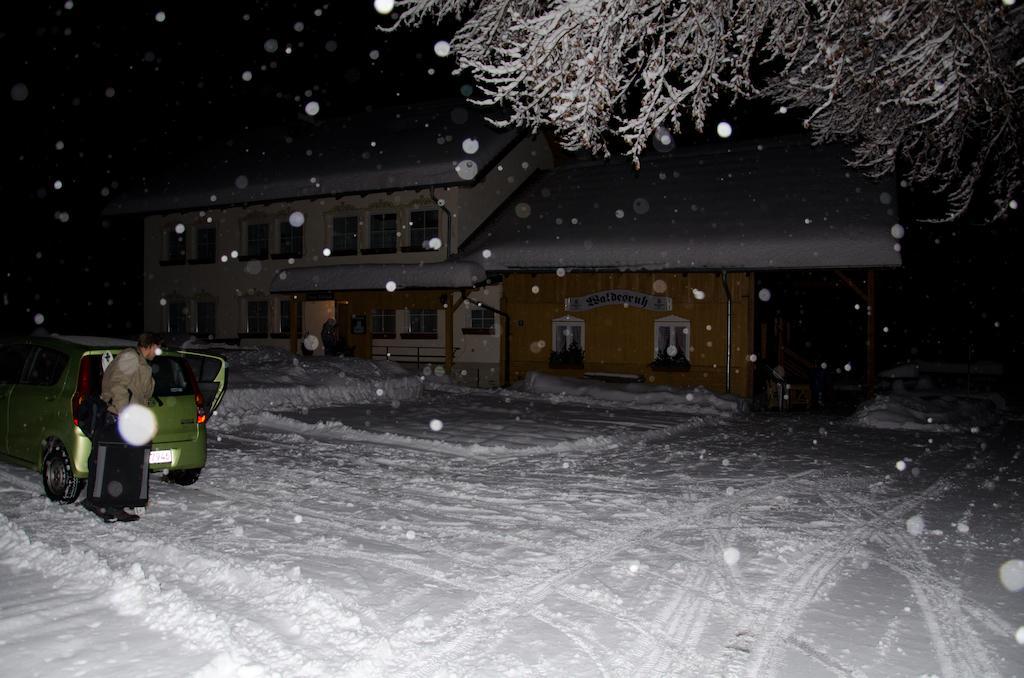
(122, 475)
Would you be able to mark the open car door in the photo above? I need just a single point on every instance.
(212, 374)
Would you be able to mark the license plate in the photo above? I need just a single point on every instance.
(160, 457)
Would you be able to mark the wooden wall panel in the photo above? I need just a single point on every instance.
(621, 339)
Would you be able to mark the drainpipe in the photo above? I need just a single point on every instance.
(728, 332)
(448, 225)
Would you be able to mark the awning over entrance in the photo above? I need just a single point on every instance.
(345, 277)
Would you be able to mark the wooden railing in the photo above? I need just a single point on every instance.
(411, 355)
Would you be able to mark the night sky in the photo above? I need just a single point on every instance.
(98, 92)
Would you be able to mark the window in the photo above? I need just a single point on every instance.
(257, 241)
(47, 367)
(384, 321)
(289, 239)
(12, 362)
(383, 231)
(256, 317)
(671, 339)
(170, 377)
(344, 235)
(206, 318)
(567, 334)
(285, 317)
(422, 227)
(175, 243)
(568, 338)
(423, 321)
(177, 317)
(206, 244)
(481, 319)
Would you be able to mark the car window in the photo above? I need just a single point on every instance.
(47, 367)
(170, 377)
(12, 362)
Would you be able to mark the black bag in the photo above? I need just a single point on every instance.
(91, 415)
(121, 475)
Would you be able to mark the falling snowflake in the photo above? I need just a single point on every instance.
(137, 425)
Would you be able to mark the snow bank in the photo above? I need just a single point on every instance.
(262, 379)
(698, 400)
(932, 411)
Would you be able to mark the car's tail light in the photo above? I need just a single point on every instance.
(83, 389)
(200, 401)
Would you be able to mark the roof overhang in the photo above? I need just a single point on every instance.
(445, 275)
(775, 205)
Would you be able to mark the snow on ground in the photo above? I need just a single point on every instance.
(355, 521)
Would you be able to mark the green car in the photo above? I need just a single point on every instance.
(43, 380)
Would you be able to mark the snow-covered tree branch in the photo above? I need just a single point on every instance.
(931, 89)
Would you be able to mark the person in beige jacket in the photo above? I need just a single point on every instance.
(129, 378)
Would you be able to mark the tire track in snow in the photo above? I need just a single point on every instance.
(127, 590)
(959, 649)
(799, 585)
(474, 623)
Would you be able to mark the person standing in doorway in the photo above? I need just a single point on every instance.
(329, 336)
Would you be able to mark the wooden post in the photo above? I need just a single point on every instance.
(449, 332)
(868, 298)
(293, 321)
(872, 334)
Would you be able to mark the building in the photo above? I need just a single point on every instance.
(225, 245)
(436, 240)
(612, 273)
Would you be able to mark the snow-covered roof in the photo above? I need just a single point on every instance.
(777, 204)
(442, 143)
(440, 275)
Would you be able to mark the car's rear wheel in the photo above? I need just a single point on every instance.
(184, 476)
(59, 479)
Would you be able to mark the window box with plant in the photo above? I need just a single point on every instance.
(570, 357)
(670, 361)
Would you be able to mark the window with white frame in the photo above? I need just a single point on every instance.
(284, 317)
(671, 338)
(423, 228)
(257, 240)
(384, 231)
(384, 321)
(257, 316)
(206, 243)
(568, 334)
(206, 318)
(177, 317)
(423, 321)
(289, 239)
(174, 244)
(481, 319)
(344, 234)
